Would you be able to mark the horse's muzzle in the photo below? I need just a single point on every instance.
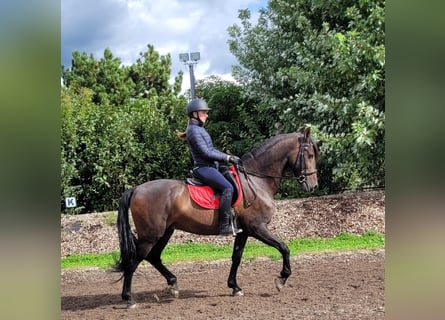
(312, 188)
(308, 184)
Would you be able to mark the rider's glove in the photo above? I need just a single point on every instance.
(234, 160)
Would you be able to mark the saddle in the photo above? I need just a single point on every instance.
(205, 196)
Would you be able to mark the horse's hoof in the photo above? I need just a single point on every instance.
(175, 294)
(131, 305)
(238, 293)
(279, 283)
(173, 291)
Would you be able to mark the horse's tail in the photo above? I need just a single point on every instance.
(127, 240)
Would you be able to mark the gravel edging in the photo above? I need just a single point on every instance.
(314, 217)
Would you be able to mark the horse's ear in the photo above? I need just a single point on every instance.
(307, 132)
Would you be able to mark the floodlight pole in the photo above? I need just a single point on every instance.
(192, 81)
(190, 60)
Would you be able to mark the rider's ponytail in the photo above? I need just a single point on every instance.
(181, 135)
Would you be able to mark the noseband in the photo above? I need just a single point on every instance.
(300, 169)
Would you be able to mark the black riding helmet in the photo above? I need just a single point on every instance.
(196, 105)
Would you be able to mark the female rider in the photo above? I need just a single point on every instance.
(205, 161)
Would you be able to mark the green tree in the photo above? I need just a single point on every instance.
(231, 124)
(107, 78)
(235, 123)
(112, 136)
(320, 63)
(115, 84)
(151, 73)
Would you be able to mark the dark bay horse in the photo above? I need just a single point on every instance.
(159, 207)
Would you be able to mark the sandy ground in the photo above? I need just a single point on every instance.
(323, 286)
(348, 285)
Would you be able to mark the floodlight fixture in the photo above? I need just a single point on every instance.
(194, 56)
(190, 60)
(184, 57)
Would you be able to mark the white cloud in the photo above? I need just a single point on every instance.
(172, 27)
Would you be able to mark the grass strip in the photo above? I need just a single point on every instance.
(198, 252)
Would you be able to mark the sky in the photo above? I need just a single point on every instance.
(126, 27)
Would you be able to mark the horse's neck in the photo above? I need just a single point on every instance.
(270, 162)
(267, 167)
(264, 173)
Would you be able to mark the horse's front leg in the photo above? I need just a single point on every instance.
(264, 235)
(238, 249)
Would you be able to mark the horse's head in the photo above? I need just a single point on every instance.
(304, 167)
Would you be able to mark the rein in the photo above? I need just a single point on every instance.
(300, 173)
(300, 178)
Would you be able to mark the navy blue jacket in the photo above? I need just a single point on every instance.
(201, 145)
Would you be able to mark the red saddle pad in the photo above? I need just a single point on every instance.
(205, 197)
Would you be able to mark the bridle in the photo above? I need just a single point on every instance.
(299, 168)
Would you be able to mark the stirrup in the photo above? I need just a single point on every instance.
(235, 229)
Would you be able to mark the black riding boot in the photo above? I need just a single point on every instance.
(226, 215)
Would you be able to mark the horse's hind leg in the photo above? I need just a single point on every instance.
(143, 247)
(154, 257)
(128, 277)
